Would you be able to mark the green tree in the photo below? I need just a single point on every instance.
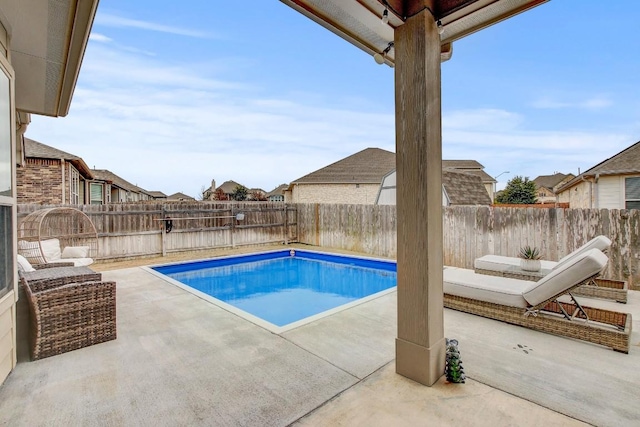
(240, 193)
(520, 191)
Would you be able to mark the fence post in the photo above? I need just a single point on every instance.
(286, 225)
(163, 225)
(233, 226)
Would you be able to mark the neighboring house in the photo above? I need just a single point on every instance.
(227, 187)
(107, 187)
(180, 197)
(51, 176)
(277, 194)
(256, 191)
(611, 184)
(352, 180)
(546, 183)
(458, 189)
(157, 195)
(357, 180)
(475, 168)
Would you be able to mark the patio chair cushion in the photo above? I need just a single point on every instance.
(602, 243)
(24, 265)
(466, 283)
(567, 274)
(77, 262)
(51, 249)
(75, 252)
(502, 263)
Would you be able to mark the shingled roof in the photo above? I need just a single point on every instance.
(625, 162)
(106, 175)
(464, 188)
(278, 191)
(469, 166)
(229, 186)
(550, 181)
(368, 166)
(37, 150)
(461, 188)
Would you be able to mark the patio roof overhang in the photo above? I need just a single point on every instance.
(359, 21)
(48, 41)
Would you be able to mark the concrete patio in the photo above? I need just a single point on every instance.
(180, 360)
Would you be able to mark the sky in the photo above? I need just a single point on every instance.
(172, 95)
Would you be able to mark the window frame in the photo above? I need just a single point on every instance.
(10, 201)
(74, 185)
(91, 199)
(624, 193)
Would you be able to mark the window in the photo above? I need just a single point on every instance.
(7, 198)
(75, 186)
(6, 172)
(96, 193)
(632, 193)
(6, 250)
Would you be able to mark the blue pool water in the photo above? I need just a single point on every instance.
(283, 289)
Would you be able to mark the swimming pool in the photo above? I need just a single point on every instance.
(280, 290)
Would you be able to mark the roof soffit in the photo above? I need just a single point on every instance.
(47, 43)
(359, 21)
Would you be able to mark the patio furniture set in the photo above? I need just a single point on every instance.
(69, 307)
(545, 300)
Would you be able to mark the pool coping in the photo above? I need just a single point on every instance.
(255, 319)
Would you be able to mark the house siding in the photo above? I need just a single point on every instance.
(579, 196)
(610, 193)
(40, 181)
(365, 194)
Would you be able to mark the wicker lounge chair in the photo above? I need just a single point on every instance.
(496, 265)
(535, 305)
(70, 308)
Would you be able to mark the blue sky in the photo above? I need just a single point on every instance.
(174, 94)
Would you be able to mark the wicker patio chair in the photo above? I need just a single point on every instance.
(70, 308)
(535, 305)
(58, 235)
(502, 266)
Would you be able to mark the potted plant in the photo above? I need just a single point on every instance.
(530, 258)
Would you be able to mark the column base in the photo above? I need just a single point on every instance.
(420, 364)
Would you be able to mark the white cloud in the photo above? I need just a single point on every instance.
(108, 20)
(594, 103)
(175, 127)
(101, 38)
(527, 152)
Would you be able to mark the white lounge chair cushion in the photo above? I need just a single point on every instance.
(24, 265)
(51, 249)
(466, 283)
(77, 262)
(566, 275)
(502, 263)
(602, 243)
(75, 252)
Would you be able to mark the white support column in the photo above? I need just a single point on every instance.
(420, 345)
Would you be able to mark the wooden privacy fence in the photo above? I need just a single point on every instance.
(473, 231)
(139, 229)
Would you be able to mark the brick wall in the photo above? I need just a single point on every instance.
(39, 181)
(363, 194)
